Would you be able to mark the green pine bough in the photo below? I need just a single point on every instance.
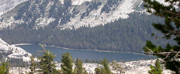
(170, 54)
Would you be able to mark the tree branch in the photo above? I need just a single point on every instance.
(177, 55)
(166, 54)
(150, 50)
(177, 14)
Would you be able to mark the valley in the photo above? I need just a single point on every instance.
(89, 36)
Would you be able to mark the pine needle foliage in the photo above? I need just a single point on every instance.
(170, 29)
(79, 67)
(105, 69)
(157, 69)
(67, 63)
(46, 64)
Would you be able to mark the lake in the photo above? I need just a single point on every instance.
(33, 49)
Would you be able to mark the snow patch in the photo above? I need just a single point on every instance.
(62, 1)
(96, 18)
(43, 21)
(11, 22)
(48, 7)
(2, 42)
(17, 52)
(79, 2)
(167, 4)
(163, 2)
(7, 5)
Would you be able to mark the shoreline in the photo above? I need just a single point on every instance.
(93, 50)
(79, 49)
(22, 44)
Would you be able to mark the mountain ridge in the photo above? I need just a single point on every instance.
(101, 12)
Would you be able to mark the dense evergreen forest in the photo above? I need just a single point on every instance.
(124, 35)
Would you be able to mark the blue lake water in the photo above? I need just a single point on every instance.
(33, 49)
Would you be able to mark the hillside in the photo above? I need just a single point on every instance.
(110, 25)
(7, 5)
(15, 55)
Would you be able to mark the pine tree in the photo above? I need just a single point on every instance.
(3, 68)
(170, 29)
(157, 69)
(79, 67)
(46, 64)
(97, 70)
(7, 67)
(67, 63)
(105, 69)
(33, 66)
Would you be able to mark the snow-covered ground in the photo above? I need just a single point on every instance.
(132, 67)
(16, 52)
(141, 67)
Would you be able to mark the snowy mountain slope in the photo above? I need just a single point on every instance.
(70, 14)
(119, 10)
(7, 5)
(13, 51)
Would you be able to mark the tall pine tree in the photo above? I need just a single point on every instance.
(7, 67)
(67, 63)
(3, 68)
(79, 67)
(105, 69)
(33, 66)
(170, 29)
(46, 63)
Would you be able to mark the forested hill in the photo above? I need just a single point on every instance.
(127, 35)
(110, 25)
